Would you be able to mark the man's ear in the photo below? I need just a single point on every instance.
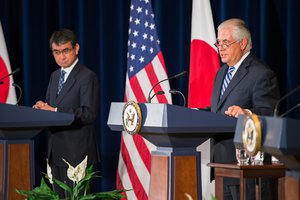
(77, 47)
(244, 43)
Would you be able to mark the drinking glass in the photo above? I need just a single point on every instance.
(242, 156)
(257, 159)
(275, 160)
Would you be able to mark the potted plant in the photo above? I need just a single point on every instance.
(80, 175)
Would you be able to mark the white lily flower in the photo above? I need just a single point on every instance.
(49, 172)
(188, 196)
(78, 173)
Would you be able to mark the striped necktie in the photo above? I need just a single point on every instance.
(61, 81)
(227, 80)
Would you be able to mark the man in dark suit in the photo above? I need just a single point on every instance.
(243, 85)
(72, 89)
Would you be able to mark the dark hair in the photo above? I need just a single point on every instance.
(63, 36)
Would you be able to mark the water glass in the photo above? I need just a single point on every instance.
(242, 156)
(257, 159)
(275, 160)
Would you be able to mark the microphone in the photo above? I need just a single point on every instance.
(20, 91)
(175, 76)
(290, 110)
(172, 91)
(282, 98)
(12, 73)
(157, 93)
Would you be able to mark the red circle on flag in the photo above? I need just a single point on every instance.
(4, 88)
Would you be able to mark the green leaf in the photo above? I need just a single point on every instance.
(115, 194)
(90, 169)
(44, 192)
(44, 186)
(60, 184)
(63, 185)
(37, 196)
(84, 183)
(213, 197)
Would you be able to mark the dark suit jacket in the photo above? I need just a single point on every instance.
(79, 96)
(254, 86)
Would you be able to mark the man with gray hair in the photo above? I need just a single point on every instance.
(243, 85)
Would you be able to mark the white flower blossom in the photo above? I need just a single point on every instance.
(78, 173)
(188, 196)
(49, 172)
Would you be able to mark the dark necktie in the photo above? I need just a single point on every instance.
(61, 81)
(227, 80)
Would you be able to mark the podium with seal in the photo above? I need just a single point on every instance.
(280, 138)
(18, 125)
(176, 131)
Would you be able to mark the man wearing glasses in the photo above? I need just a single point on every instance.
(73, 88)
(243, 85)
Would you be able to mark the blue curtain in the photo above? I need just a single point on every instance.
(102, 30)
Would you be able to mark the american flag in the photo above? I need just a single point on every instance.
(145, 67)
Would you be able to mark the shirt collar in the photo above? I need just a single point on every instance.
(237, 65)
(69, 69)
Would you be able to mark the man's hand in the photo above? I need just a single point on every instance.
(43, 106)
(235, 111)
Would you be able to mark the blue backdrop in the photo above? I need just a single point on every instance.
(102, 30)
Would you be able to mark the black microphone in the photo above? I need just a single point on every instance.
(20, 91)
(176, 76)
(157, 93)
(16, 70)
(282, 98)
(290, 110)
(172, 91)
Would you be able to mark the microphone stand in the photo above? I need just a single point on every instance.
(282, 98)
(157, 93)
(176, 76)
(20, 91)
(4, 77)
(290, 110)
(172, 91)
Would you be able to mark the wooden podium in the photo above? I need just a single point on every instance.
(280, 138)
(18, 124)
(176, 131)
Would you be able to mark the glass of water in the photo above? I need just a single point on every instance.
(257, 159)
(242, 156)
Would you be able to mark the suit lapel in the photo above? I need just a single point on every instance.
(218, 85)
(54, 85)
(239, 75)
(68, 84)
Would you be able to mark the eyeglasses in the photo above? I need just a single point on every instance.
(64, 51)
(224, 45)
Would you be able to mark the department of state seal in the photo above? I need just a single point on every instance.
(132, 117)
(252, 134)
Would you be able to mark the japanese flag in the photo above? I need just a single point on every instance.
(7, 91)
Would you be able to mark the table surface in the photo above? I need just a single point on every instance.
(247, 167)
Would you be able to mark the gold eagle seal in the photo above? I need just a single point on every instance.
(132, 117)
(252, 134)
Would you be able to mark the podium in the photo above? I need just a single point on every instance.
(18, 125)
(280, 138)
(176, 131)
